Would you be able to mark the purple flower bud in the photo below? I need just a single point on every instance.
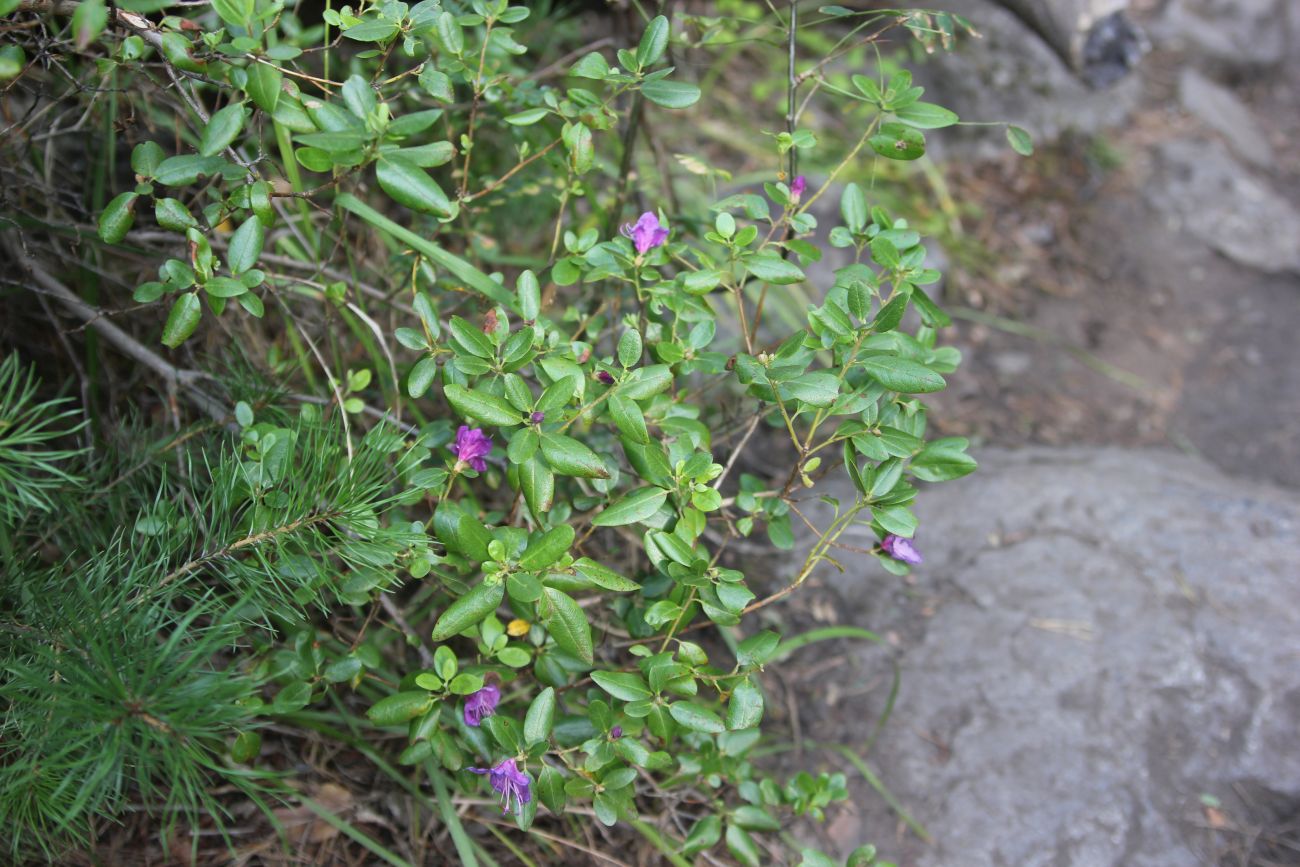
(471, 447)
(647, 234)
(512, 783)
(605, 376)
(797, 186)
(481, 705)
(900, 549)
(616, 732)
(537, 417)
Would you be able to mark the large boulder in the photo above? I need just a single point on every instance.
(1097, 640)
(1203, 190)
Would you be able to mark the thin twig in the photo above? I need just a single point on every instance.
(124, 342)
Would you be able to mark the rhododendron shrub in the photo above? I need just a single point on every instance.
(468, 508)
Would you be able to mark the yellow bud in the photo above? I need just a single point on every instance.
(515, 628)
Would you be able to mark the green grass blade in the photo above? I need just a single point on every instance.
(666, 848)
(464, 847)
(464, 271)
(355, 833)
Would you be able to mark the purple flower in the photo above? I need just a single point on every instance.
(605, 376)
(616, 732)
(472, 446)
(797, 186)
(900, 549)
(511, 782)
(647, 234)
(537, 417)
(481, 705)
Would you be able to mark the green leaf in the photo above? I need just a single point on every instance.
(13, 60)
(293, 697)
(421, 376)
(891, 314)
(926, 115)
(222, 129)
(88, 21)
(593, 65)
(471, 339)
(246, 747)
(437, 84)
(671, 94)
(485, 407)
(567, 624)
(371, 30)
(629, 348)
(182, 320)
(895, 519)
(527, 117)
(697, 717)
(742, 846)
(145, 158)
(180, 171)
(943, 460)
(773, 269)
(117, 218)
(604, 577)
(224, 287)
(399, 708)
(626, 685)
(540, 717)
(885, 253)
(632, 507)
(538, 485)
(342, 670)
(551, 546)
(411, 186)
(755, 818)
(449, 34)
(1020, 140)
(569, 457)
(505, 731)
(818, 388)
(853, 208)
(236, 12)
(653, 42)
(646, 382)
(629, 418)
(460, 531)
(758, 648)
(704, 834)
(898, 142)
(469, 610)
(550, 789)
(246, 245)
(902, 375)
(172, 214)
(264, 85)
(745, 707)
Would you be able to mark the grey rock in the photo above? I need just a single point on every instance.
(1117, 632)
(1238, 37)
(1011, 74)
(1221, 110)
(1203, 190)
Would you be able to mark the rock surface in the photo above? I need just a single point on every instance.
(1221, 110)
(1202, 188)
(1010, 74)
(1236, 37)
(1097, 639)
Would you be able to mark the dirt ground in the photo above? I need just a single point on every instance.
(1123, 329)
